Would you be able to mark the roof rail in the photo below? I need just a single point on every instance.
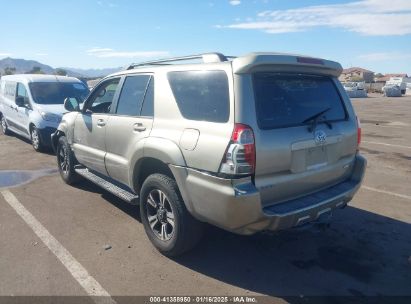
(206, 58)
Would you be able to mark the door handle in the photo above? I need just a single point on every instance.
(139, 127)
(101, 123)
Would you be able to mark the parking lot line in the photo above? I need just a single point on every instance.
(387, 192)
(384, 144)
(79, 273)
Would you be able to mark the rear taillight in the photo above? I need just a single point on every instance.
(358, 132)
(239, 158)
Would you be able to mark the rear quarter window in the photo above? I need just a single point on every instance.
(10, 89)
(286, 100)
(201, 95)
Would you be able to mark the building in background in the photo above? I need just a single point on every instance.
(387, 77)
(356, 74)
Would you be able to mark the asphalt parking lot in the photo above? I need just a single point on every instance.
(366, 250)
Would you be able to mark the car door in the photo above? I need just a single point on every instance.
(131, 122)
(22, 113)
(90, 126)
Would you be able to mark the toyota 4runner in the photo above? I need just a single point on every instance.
(265, 141)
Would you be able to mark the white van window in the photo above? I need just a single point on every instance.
(56, 92)
(10, 89)
(21, 90)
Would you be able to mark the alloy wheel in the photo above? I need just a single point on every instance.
(63, 160)
(160, 215)
(3, 124)
(35, 139)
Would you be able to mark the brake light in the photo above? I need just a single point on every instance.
(239, 158)
(309, 60)
(358, 132)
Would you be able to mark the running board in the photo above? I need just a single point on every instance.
(117, 190)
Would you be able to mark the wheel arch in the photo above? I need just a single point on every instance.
(55, 139)
(157, 156)
(153, 154)
(31, 126)
(147, 166)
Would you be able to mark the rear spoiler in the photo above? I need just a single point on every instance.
(278, 62)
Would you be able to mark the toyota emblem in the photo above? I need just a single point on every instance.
(320, 137)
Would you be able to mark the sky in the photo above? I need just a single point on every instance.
(374, 34)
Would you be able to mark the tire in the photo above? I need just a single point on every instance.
(66, 162)
(168, 225)
(36, 141)
(3, 126)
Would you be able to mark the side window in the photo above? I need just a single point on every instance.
(132, 95)
(201, 95)
(102, 98)
(10, 89)
(148, 105)
(22, 92)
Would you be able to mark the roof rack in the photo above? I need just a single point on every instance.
(206, 58)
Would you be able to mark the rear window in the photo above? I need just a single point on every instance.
(201, 95)
(286, 100)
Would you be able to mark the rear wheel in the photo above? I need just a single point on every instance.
(36, 139)
(66, 162)
(168, 224)
(4, 127)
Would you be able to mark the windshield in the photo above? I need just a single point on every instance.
(56, 92)
(286, 100)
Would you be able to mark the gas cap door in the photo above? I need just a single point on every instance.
(189, 139)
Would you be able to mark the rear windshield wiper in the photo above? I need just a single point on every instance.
(314, 120)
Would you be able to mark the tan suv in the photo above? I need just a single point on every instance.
(265, 141)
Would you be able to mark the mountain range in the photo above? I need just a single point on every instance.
(24, 66)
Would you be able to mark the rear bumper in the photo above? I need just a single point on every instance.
(235, 205)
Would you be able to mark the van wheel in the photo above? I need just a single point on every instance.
(4, 127)
(168, 224)
(66, 162)
(36, 140)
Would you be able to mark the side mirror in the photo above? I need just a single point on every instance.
(20, 102)
(71, 104)
(102, 93)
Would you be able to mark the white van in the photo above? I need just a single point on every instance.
(399, 81)
(32, 105)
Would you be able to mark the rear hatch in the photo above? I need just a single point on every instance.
(306, 139)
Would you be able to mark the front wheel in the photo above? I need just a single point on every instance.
(168, 224)
(66, 162)
(4, 127)
(36, 140)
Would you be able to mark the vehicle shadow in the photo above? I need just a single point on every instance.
(360, 254)
(48, 150)
(131, 210)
